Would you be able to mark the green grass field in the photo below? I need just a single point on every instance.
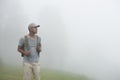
(14, 73)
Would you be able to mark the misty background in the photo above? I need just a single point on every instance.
(79, 36)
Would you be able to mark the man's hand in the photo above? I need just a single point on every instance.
(21, 50)
(26, 53)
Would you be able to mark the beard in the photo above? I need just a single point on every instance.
(34, 32)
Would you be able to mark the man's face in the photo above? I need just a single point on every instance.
(33, 30)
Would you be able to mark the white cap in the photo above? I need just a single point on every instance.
(33, 25)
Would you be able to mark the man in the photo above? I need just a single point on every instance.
(30, 47)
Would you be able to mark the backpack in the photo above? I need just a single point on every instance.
(26, 44)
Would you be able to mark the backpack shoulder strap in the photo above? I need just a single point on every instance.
(37, 39)
(26, 42)
(37, 43)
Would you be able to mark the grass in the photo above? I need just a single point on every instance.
(14, 73)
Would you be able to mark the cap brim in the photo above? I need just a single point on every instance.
(38, 26)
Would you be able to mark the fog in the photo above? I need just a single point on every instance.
(79, 36)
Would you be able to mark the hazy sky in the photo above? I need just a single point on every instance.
(80, 36)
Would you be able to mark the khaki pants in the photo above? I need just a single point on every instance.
(31, 71)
